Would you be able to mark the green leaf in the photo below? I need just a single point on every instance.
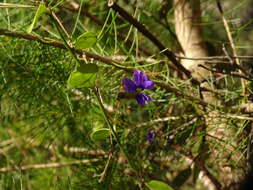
(158, 185)
(84, 76)
(41, 10)
(88, 68)
(100, 134)
(86, 40)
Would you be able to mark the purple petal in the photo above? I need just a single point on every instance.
(142, 99)
(151, 136)
(139, 78)
(129, 85)
(148, 84)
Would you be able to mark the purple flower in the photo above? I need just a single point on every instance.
(139, 83)
(151, 136)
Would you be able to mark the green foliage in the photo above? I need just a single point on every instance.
(40, 11)
(83, 76)
(158, 185)
(99, 134)
(86, 40)
(59, 104)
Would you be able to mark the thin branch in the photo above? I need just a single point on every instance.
(106, 60)
(178, 92)
(214, 57)
(117, 139)
(103, 174)
(80, 95)
(230, 117)
(84, 12)
(234, 74)
(49, 165)
(101, 23)
(229, 35)
(231, 42)
(174, 118)
(201, 166)
(60, 24)
(164, 119)
(54, 43)
(17, 6)
(84, 151)
(167, 27)
(141, 28)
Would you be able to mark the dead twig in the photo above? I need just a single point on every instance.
(232, 45)
(49, 165)
(141, 28)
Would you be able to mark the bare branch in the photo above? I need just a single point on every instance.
(49, 165)
(141, 28)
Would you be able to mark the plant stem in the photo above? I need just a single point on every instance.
(62, 37)
(97, 93)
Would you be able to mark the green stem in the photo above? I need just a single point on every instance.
(111, 127)
(96, 92)
(64, 40)
(78, 15)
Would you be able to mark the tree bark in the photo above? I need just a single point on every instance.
(187, 19)
(187, 14)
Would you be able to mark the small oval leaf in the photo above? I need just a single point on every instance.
(158, 185)
(100, 134)
(84, 76)
(86, 40)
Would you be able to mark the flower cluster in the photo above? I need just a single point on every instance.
(139, 83)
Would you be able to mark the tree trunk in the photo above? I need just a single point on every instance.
(187, 15)
(187, 19)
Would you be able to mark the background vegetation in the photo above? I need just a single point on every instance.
(51, 135)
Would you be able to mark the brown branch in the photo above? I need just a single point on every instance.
(101, 23)
(231, 42)
(178, 92)
(17, 6)
(214, 57)
(167, 27)
(84, 151)
(215, 182)
(84, 12)
(201, 166)
(141, 28)
(49, 165)
(59, 22)
(51, 42)
(54, 43)
(239, 117)
(234, 74)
